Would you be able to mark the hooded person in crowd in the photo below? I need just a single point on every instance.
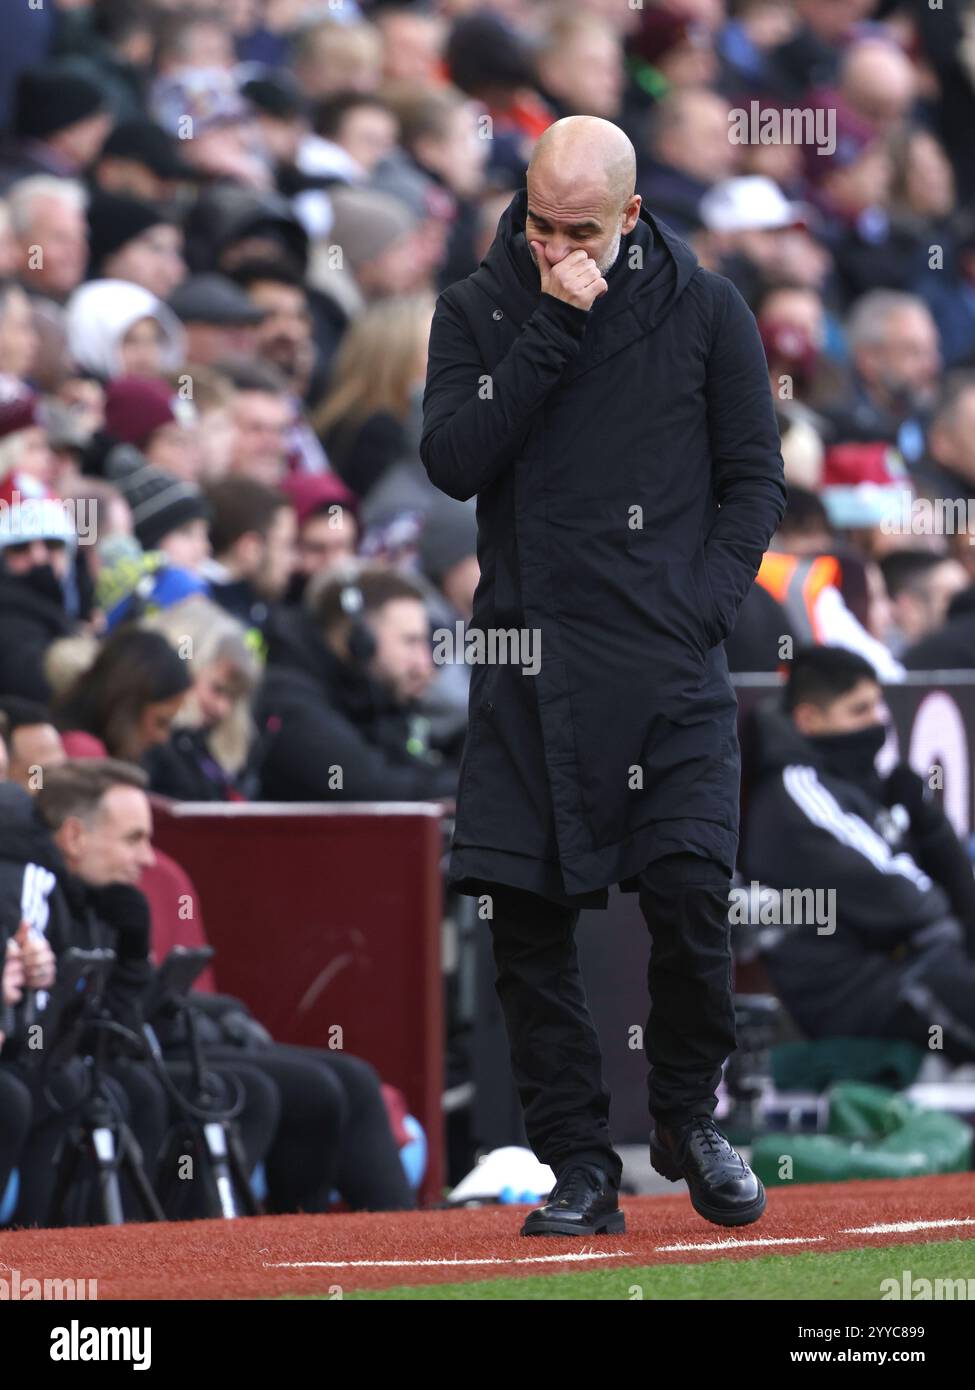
(116, 328)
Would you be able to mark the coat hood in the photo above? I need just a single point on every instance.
(100, 313)
(508, 274)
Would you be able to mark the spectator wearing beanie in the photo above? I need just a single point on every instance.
(377, 234)
(134, 241)
(159, 422)
(139, 160)
(60, 123)
(328, 526)
(169, 515)
(116, 328)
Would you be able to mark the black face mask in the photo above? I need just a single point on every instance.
(851, 754)
(42, 580)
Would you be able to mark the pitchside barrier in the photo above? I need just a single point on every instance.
(327, 922)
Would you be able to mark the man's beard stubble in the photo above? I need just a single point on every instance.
(609, 260)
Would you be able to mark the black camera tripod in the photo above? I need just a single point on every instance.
(206, 1131)
(100, 1133)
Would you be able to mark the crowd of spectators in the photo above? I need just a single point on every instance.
(223, 230)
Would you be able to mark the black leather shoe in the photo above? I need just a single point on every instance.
(582, 1203)
(722, 1186)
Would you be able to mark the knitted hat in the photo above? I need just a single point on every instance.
(314, 492)
(136, 408)
(50, 99)
(144, 142)
(113, 221)
(159, 502)
(366, 223)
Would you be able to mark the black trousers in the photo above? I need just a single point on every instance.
(935, 988)
(555, 1056)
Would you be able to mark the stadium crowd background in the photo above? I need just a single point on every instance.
(222, 234)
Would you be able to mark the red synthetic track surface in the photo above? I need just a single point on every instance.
(237, 1259)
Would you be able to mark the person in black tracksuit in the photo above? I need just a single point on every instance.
(901, 959)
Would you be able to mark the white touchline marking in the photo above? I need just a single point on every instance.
(738, 1244)
(896, 1227)
(425, 1264)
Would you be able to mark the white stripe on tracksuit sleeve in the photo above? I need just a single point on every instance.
(819, 805)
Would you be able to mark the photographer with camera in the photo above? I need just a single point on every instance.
(37, 1107)
(68, 868)
(315, 1125)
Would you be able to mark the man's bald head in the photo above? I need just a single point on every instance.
(581, 181)
(586, 149)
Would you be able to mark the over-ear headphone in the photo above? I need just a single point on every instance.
(361, 639)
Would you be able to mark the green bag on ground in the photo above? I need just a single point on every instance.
(816, 1063)
(873, 1133)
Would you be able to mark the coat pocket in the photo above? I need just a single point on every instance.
(677, 593)
(709, 609)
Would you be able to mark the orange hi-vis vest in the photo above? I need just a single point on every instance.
(796, 581)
